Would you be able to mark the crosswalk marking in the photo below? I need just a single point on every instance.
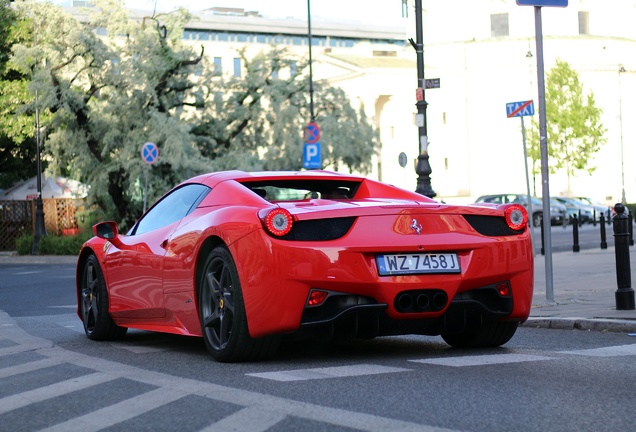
(480, 360)
(252, 419)
(329, 372)
(28, 367)
(613, 351)
(119, 412)
(20, 400)
(260, 411)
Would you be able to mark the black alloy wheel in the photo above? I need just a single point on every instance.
(222, 313)
(98, 324)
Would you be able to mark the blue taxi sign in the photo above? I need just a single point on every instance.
(556, 3)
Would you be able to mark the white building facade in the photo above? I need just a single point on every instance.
(484, 54)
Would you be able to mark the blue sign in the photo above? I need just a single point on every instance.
(149, 153)
(557, 3)
(519, 109)
(311, 156)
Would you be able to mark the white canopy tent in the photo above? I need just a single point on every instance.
(52, 187)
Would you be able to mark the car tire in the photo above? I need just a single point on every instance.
(98, 324)
(222, 313)
(488, 334)
(536, 219)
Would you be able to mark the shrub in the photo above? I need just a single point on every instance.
(52, 245)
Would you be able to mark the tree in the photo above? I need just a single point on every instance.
(256, 122)
(575, 131)
(109, 95)
(109, 84)
(17, 122)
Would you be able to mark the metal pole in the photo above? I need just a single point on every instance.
(423, 167)
(40, 229)
(543, 134)
(311, 78)
(525, 160)
(621, 69)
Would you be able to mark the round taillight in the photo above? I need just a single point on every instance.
(278, 222)
(516, 216)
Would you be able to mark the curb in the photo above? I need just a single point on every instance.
(38, 259)
(586, 324)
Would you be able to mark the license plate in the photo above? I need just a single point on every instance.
(398, 264)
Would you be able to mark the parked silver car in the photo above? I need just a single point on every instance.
(598, 207)
(557, 212)
(583, 212)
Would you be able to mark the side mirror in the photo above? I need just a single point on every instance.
(106, 230)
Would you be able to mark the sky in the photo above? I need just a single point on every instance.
(385, 12)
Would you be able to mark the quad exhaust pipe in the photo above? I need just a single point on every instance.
(420, 301)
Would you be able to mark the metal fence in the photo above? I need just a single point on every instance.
(17, 218)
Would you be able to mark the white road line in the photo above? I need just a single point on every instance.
(28, 367)
(253, 419)
(27, 273)
(119, 412)
(481, 360)
(612, 351)
(48, 392)
(330, 372)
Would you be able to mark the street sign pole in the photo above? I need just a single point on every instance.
(149, 154)
(525, 160)
(543, 137)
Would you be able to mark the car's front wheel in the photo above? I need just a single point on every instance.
(487, 334)
(222, 313)
(98, 324)
(537, 218)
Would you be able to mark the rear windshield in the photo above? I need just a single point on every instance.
(299, 190)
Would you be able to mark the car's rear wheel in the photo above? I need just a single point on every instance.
(98, 324)
(488, 334)
(536, 219)
(222, 313)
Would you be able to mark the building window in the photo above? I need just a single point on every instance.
(237, 67)
(499, 25)
(218, 68)
(584, 23)
(293, 68)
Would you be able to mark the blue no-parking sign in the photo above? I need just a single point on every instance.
(312, 133)
(149, 153)
(311, 156)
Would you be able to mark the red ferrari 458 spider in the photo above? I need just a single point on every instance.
(244, 259)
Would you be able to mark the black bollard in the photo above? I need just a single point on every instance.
(630, 226)
(603, 235)
(624, 294)
(575, 235)
(594, 218)
(542, 244)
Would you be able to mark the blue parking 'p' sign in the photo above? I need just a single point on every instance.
(311, 156)
(149, 153)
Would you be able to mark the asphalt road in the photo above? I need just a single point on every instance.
(53, 378)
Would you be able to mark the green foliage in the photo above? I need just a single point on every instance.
(256, 122)
(17, 120)
(101, 97)
(575, 131)
(52, 245)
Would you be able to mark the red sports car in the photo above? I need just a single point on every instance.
(244, 259)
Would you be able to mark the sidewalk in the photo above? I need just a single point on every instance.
(584, 286)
